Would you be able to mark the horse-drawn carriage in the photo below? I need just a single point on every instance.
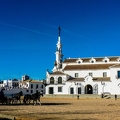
(18, 97)
(10, 99)
(34, 97)
(3, 98)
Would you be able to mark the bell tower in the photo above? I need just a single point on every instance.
(59, 55)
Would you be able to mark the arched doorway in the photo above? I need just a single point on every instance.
(88, 89)
(95, 89)
(79, 90)
(71, 90)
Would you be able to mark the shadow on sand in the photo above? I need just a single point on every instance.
(5, 119)
(44, 104)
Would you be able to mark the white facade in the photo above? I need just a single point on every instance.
(9, 84)
(26, 86)
(32, 86)
(84, 75)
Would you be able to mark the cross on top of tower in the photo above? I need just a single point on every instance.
(59, 29)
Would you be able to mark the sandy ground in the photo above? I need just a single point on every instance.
(65, 108)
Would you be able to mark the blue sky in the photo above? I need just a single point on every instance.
(29, 33)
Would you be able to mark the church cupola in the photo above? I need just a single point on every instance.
(59, 55)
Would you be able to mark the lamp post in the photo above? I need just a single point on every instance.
(77, 86)
(103, 84)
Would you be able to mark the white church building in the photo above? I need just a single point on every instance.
(95, 75)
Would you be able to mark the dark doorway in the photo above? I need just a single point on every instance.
(50, 90)
(79, 90)
(71, 90)
(88, 89)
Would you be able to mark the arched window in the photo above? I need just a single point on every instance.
(106, 60)
(79, 61)
(92, 60)
(52, 80)
(60, 80)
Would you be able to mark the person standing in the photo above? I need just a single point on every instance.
(115, 97)
(78, 97)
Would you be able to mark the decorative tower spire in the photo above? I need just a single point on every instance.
(59, 31)
(59, 55)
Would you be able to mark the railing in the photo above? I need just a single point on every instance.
(56, 83)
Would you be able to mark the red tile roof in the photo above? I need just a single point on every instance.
(101, 78)
(115, 66)
(71, 60)
(88, 67)
(95, 79)
(75, 79)
(58, 73)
